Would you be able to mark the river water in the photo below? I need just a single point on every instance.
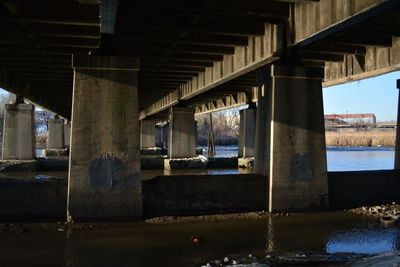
(341, 158)
(146, 244)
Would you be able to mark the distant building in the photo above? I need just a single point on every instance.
(366, 120)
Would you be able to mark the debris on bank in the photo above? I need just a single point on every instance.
(309, 259)
(387, 214)
(208, 218)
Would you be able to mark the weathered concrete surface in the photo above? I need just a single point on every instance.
(55, 153)
(153, 151)
(104, 176)
(165, 131)
(310, 18)
(247, 135)
(19, 132)
(246, 162)
(53, 164)
(18, 165)
(199, 162)
(164, 151)
(263, 122)
(33, 199)
(204, 194)
(55, 135)
(218, 163)
(197, 194)
(298, 174)
(159, 136)
(182, 139)
(147, 134)
(152, 162)
(67, 134)
(361, 188)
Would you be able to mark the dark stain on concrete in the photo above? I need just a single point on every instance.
(301, 169)
(106, 173)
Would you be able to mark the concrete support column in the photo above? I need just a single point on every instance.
(195, 134)
(165, 131)
(55, 134)
(67, 134)
(397, 149)
(104, 176)
(159, 138)
(247, 133)
(263, 122)
(298, 169)
(182, 139)
(19, 132)
(148, 134)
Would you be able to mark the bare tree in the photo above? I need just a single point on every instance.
(42, 118)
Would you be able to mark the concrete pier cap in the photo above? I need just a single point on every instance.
(104, 176)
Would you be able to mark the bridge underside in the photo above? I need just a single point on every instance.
(105, 65)
(189, 48)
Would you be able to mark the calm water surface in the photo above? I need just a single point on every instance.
(341, 158)
(144, 244)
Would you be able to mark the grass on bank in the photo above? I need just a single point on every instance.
(361, 139)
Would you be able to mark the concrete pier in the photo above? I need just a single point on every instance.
(19, 132)
(165, 130)
(67, 134)
(159, 137)
(247, 140)
(104, 176)
(55, 134)
(298, 171)
(263, 122)
(397, 148)
(182, 141)
(181, 135)
(147, 134)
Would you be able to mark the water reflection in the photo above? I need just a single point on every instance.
(144, 244)
(364, 241)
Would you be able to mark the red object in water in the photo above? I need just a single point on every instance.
(196, 239)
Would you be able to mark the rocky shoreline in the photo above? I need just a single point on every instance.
(388, 259)
(387, 214)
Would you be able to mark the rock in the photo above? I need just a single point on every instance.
(383, 259)
(226, 260)
(246, 162)
(389, 219)
(199, 162)
(55, 153)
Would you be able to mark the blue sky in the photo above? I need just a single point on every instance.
(377, 95)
